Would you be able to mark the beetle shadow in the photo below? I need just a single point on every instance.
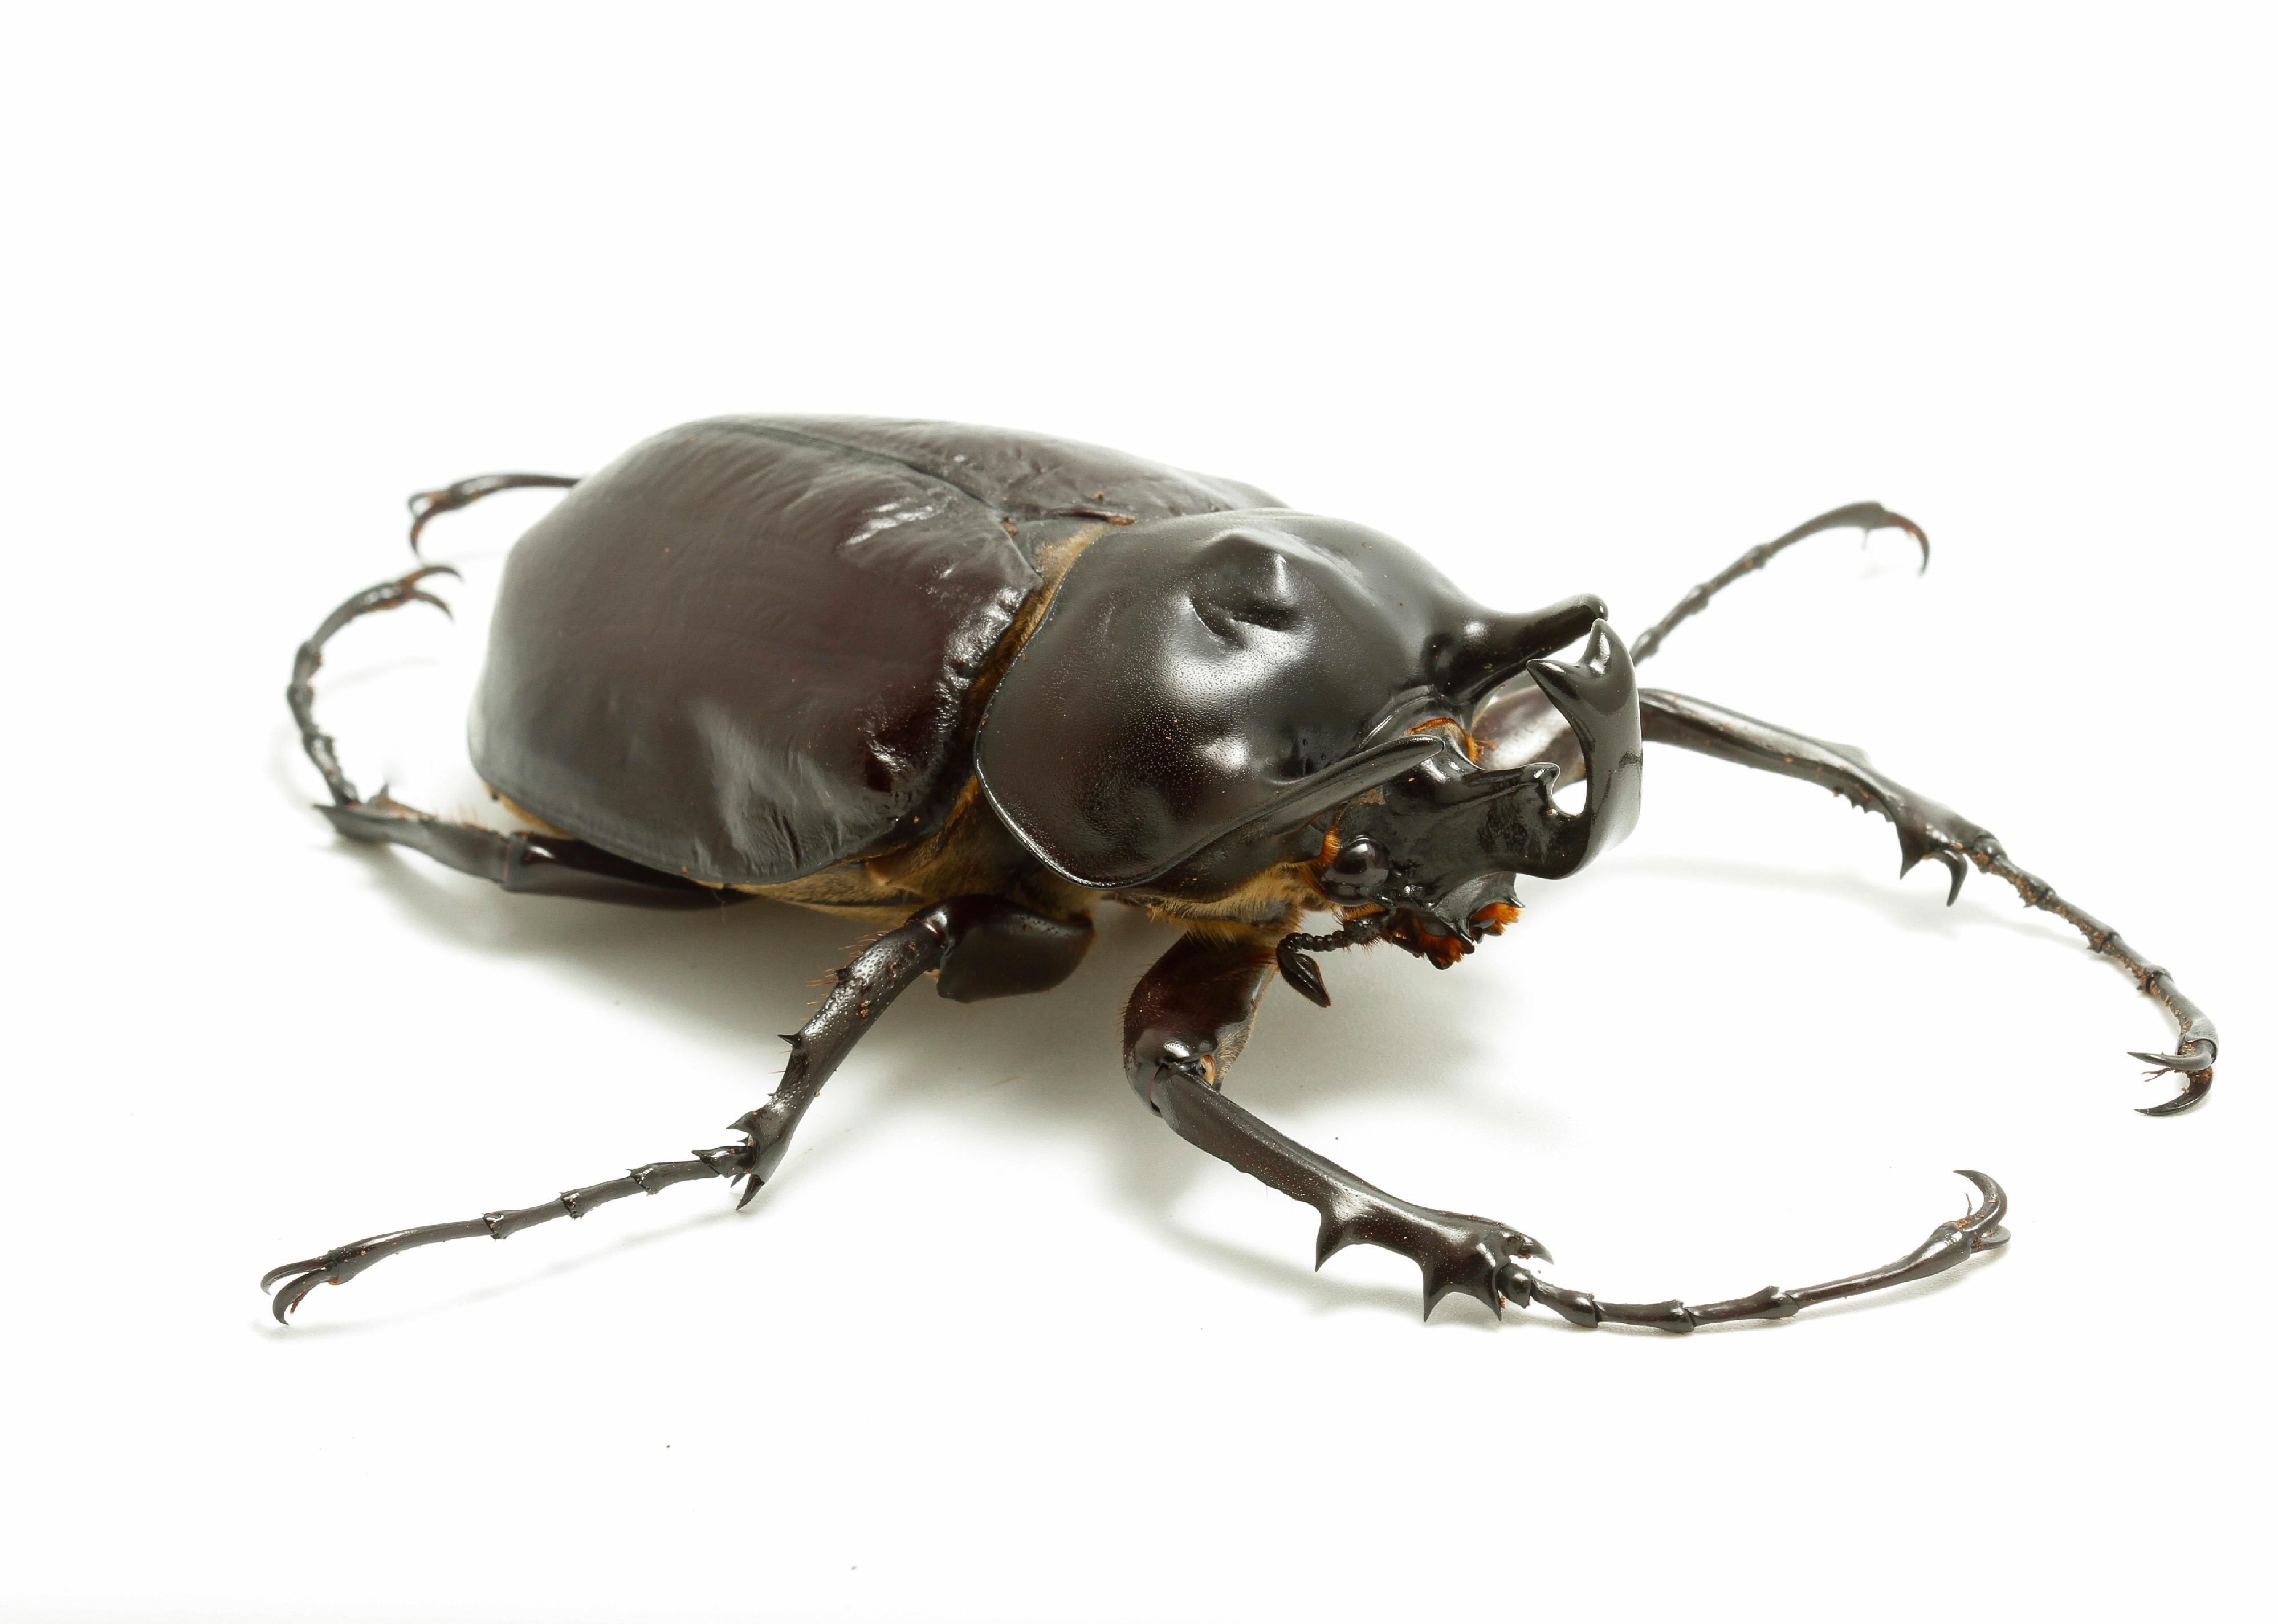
(1909, 905)
(734, 975)
(738, 976)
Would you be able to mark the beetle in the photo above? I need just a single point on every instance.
(965, 685)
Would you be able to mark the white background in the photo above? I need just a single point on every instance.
(1571, 306)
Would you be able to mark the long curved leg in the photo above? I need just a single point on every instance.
(301, 694)
(1858, 515)
(984, 948)
(1188, 1020)
(527, 863)
(1517, 724)
(1947, 1246)
(536, 864)
(1926, 829)
(425, 505)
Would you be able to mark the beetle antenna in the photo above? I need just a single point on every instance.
(1299, 970)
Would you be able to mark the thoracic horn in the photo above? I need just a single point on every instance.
(1492, 650)
(1598, 697)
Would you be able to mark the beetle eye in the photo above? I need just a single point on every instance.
(1357, 872)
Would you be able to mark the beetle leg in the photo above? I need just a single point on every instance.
(1868, 516)
(1456, 1251)
(425, 505)
(1185, 1024)
(301, 696)
(1949, 1245)
(525, 862)
(343, 1264)
(1192, 1011)
(1927, 830)
(540, 864)
(983, 947)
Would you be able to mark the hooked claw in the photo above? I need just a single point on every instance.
(336, 1267)
(1981, 1226)
(1872, 517)
(411, 592)
(388, 595)
(312, 1271)
(2196, 1062)
(1955, 865)
(425, 505)
(289, 1298)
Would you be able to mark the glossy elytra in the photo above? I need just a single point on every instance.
(963, 686)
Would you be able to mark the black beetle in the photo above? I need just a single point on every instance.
(966, 684)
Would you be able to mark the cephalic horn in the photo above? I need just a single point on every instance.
(1530, 833)
(1598, 697)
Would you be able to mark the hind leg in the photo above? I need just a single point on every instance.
(1927, 830)
(527, 863)
(542, 865)
(300, 695)
(425, 505)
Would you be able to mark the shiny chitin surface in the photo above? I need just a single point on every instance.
(756, 646)
(1234, 674)
(742, 652)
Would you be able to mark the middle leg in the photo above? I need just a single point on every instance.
(984, 948)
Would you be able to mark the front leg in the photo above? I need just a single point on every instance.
(1187, 1021)
(1189, 1016)
(1926, 829)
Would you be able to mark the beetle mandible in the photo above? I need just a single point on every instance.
(965, 684)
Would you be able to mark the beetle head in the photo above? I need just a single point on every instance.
(1205, 693)
(1436, 850)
